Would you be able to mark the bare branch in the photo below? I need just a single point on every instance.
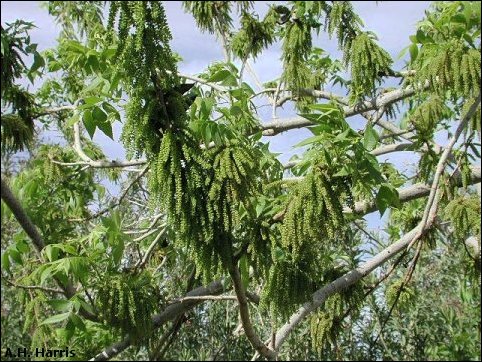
(207, 297)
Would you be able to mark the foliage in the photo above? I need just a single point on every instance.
(212, 199)
(464, 214)
(127, 304)
(17, 127)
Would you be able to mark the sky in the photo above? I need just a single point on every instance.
(392, 21)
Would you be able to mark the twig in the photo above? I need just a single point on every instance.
(33, 287)
(407, 278)
(122, 195)
(149, 251)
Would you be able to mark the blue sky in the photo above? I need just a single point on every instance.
(392, 21)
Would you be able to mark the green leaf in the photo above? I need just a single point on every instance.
(310, 140)
(345, 171)
(65, 334)
(92, 100)
(46, 273)
(206, 107)
(207, 132)
(96, 82)
(345, 136)
(109, 108)
(75, 46)
(326, 108)
(236, 111)
(89, 122)
(53, 66)
(413, 52)
(64, 264)
(86, 306)
(56, 318)
(93, 63)
(5, 261)
(370, 138)
(231, 81)
(52, 252)
(118, 250)
(219, 76)
(109, 52)
(15, 255)
(78, 265)
(72, 120)
(78, 322)
(459, 18)
(38, 62)
(22, 246)
(99, 115)
(248, 89)
(387, 196)
(106, 128)
(60, 305)
(314, 117)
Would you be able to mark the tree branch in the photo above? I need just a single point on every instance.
(27, 225)
(33, 287)
(149, 251)
(341, 283)
(278, 126)
(207, 297)
(253, 338)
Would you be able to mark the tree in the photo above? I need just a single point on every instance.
(206, 215)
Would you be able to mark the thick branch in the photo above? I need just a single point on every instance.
(22, 217)
(207, 297)
(275, 127)
(412, 192)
